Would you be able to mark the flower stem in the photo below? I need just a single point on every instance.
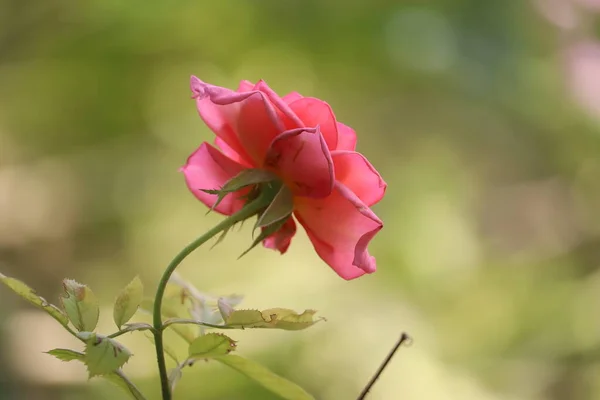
(246, 212)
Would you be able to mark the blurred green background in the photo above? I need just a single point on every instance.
(483, 117)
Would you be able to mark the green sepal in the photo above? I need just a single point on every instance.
(221, 237)
(280, 208)
(265, 233)
(248, 177)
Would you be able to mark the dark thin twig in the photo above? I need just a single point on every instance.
(404, 338)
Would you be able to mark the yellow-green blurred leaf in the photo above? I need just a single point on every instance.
(265, 377)
(242, 319)
(283, 318)
(128, 301)
(67, 355)
(211, 345)
(29, 294)
(104, 355)
(273, 318)
(117, 377)
(81, 305)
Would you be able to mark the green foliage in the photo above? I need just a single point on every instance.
(274, 318)
(29, 294)
(211, 345)
(128, 301)
(221, 314)
(248, 177)
(104, 355)
(119, 379)
(67, 355)
(81, 305)
(265, 377)
(116, 377)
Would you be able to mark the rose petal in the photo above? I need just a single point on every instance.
(314, 112)
(287, 115)
(291, 97)
(346, 137)
(281, 239)
(245, 86)
(231, 153)
(246, 121)
(340, 228)
(357, 174)
(208, 168)
(301, 158)
(215, 116)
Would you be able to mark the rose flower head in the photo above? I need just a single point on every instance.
(292, 152)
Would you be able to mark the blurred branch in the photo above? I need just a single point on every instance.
(404, 338)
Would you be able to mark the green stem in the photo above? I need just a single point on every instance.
(175, 321)
(139, 327)
(117, 334)
(249, 210)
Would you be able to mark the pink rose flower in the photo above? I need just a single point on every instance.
(298, 139)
